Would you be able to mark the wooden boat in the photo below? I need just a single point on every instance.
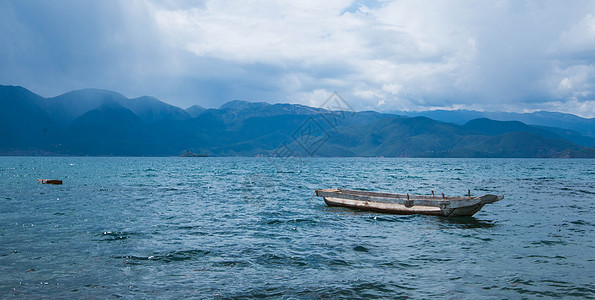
(49, 181)
(407, 204)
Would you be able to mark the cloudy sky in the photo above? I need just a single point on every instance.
(380, 55)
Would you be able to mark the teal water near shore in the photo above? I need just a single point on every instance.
(246, 228)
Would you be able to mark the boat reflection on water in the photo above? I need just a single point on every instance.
(461, 223)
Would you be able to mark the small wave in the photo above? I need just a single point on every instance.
(464, 223)
(562, 289)
(547, 257)
(291, 221)
(189, 227)
(570, 289)
(398, 264)
(198, 233)
(389, 218)
(548, 242)
(518, 281)
(231, 263)
(361, 249)
(586, 192)
(581, 222)
(192, 230)
(167, 257)
(169, 189)
(281, 259)
(115, 235)
(338, 262)
(425, 259)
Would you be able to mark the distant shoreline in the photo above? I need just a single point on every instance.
(272, 157)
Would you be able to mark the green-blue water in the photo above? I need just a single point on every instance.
(244, 227)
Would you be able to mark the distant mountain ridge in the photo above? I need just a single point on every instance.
(584, 126)
(101, 122)
(72, 105)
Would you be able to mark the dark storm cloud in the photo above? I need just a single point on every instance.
(53, 47)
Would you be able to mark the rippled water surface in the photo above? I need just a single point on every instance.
(247, 227)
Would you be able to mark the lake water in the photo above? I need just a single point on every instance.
(246, 228)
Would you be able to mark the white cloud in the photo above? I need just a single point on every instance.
(578, 40)
(283, 36)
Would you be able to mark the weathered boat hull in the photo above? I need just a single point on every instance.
(406, 204)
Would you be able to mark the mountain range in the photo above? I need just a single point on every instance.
(105, 123)
(539, 118)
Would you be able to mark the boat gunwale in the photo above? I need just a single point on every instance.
(395, 196)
